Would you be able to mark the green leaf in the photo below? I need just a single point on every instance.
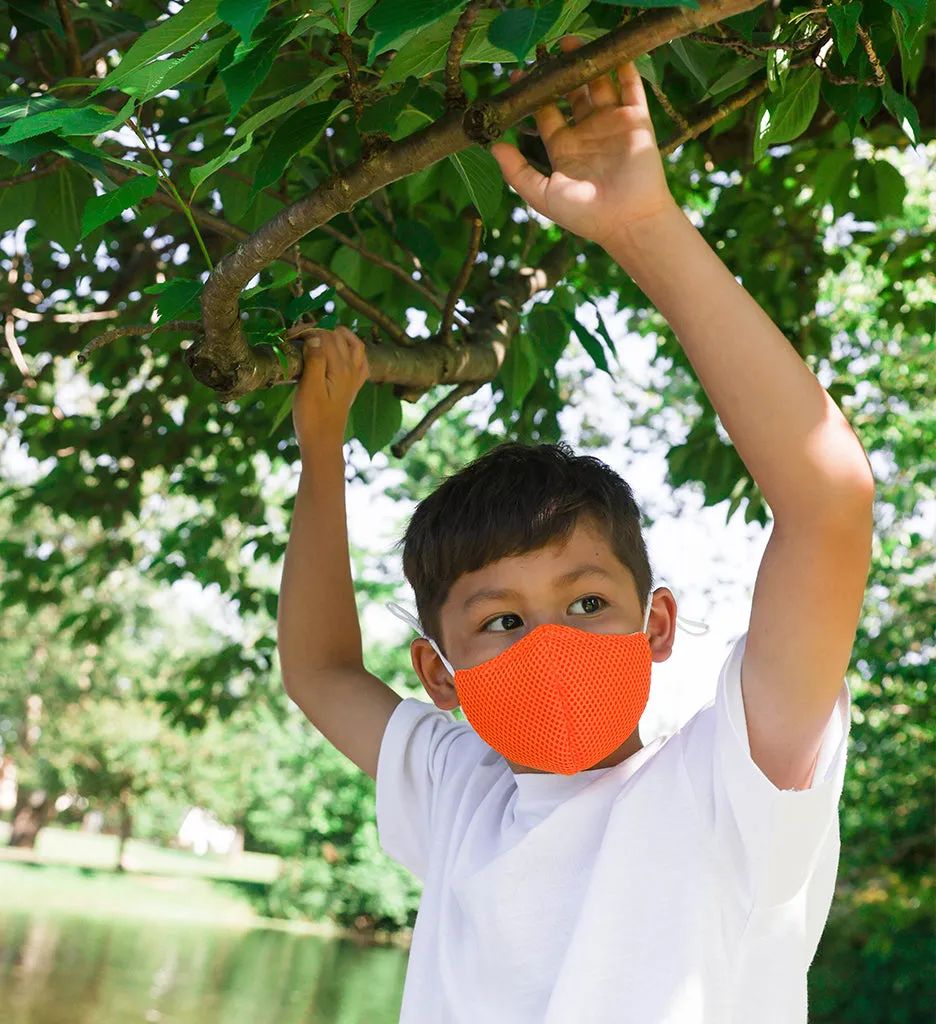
(741, 72)
(281, 106)
(197, 175)
(18, 107)
(903, 111)
(381, 116)
(58, 212)
(175, 33)
(911, 12)
(376, 416)
(154, 78)
(180, 295)
(419, 239)
(548, 334)
(587, 340)
(571, 10)
(299, 130)
(305, 303)
(286, 407)
(788, 113)
(521, 29)
(518, 371)
(852, 103)
(243, 15)
(845, 27)
(426, 51)
(67, 121)
(391, 19)
(250, 66)
(101, 209)
(689, 58)
(481, 174)
(647, 69)
(890, 189)
(832, 176)
(354, 10)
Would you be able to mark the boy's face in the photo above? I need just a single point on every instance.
(578, 583)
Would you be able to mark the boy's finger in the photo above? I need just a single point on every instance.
(526, 180)
(580, 100)
(632, 90)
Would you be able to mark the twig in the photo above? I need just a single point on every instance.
(695, 129)
(474, 244)
(455, 98)
(681, 123)
(166, 181)
(65, 318)
(418, 432)
(110, 43)
(15, 351)
(380, 261)
(136, 331)
(39, 172)
(344, 45)
(880, 78)
(75, 67)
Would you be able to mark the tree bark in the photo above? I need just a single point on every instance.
(31, 813)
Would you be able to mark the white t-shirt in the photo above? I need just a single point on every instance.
(679, 887)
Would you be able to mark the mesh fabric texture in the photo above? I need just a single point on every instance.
(559, 699)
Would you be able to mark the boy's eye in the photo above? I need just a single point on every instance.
(502, 624)
(587, 605)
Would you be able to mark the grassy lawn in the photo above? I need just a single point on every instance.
(37, 888)
(79, 849)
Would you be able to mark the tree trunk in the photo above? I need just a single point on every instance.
(126, 828)
(29, 815)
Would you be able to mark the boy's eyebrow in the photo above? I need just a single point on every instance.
(488, 595)
(574, 575)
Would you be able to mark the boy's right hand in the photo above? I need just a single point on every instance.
(335, 367)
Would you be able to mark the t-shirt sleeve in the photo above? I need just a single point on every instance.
(780, 835)
(421, 754)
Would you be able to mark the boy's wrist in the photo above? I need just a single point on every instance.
(642, 239)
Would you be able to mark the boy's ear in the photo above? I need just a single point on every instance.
(433, 675)
(662, 625)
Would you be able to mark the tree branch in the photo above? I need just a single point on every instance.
(75, 66)
(440, 409)
(223, 360)
(136, 331)
(455, 98)
(696, 128)
(323, 273)
(39, 172)
(458, 286)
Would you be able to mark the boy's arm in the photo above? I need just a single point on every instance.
(608, 184)
(319, 634)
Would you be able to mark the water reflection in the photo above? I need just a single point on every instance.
(75, 970)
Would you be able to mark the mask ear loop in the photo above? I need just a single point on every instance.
(410, 619)
(689, 626)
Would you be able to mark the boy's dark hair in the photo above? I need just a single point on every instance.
(516, 498)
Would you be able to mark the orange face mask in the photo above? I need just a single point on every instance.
(559, 699)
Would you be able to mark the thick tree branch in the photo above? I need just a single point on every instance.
(323, 273)
(223, 359)
(436, 412)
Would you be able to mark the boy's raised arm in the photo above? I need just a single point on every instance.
(608, 184)
(319, 634)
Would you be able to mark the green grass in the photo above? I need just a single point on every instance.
(39, 888)
(80, 849)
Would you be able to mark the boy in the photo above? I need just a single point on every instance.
(572, 875)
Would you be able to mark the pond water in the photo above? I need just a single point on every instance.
(58, 969)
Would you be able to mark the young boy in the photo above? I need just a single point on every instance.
(571, 874)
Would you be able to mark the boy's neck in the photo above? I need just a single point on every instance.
(627, 749)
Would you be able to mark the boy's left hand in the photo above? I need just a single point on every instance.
(607, 171)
